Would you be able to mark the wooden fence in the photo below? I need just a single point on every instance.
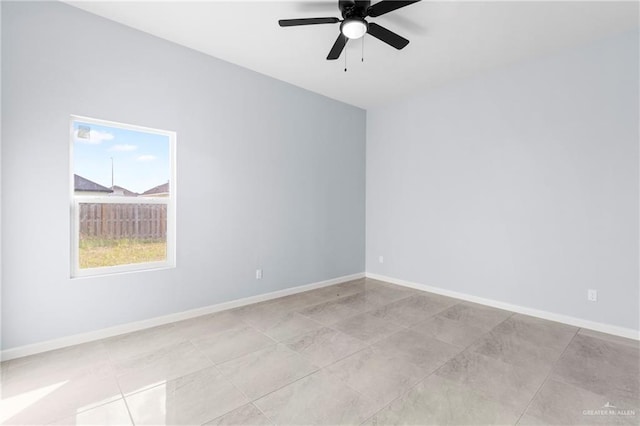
(115, 221)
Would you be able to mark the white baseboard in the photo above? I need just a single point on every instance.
(90, 336)
(577, 322)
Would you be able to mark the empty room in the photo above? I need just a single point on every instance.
(320, 212)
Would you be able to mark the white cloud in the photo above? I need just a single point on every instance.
(123, 147)
(93, 137)
(146, 158)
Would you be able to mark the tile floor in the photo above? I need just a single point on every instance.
(363, 352)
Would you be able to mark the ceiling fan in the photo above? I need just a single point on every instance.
(353, 25)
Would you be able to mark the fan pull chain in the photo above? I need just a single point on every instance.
(362, 60)
(345, 60)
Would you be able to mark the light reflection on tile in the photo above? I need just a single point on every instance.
(52, 401)
(193, 399)
(114, 413)
(58, 365)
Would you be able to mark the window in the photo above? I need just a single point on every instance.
(123, 197)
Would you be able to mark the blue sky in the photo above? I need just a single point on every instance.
(140, 160)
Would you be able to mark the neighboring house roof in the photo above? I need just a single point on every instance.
(86, 185)
(160, 189)
(123, 191)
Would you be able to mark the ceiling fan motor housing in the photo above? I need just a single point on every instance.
(354, 9)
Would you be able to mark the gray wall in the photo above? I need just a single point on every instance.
(268, 174)
(519, 186)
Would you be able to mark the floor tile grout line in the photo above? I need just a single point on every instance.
(367, 346)
(410, 388)
(433, 372)
(555, 363)
(263, 413)
(308, 375)
(217, 363)
(366, 342)
(115, 377)
(144, 389)
(312, 373)
(126, 404)
(338, 298)
(402, 394)
(369, 398)
(296, 309)
(285, 385)
(185, 375)
(243, 394)
(576, 385)
(140, 355)
(160, 383)
(367, 311)
(91, 407)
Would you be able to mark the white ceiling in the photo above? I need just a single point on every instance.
(449, 39)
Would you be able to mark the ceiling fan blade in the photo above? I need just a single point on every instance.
(307, 21)
(336, 50)
(389, 37)
(386, 6)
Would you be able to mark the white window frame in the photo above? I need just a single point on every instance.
(76, 200)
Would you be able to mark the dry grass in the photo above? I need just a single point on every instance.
(95, 253)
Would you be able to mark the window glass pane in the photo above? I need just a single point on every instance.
(121, 234)
(115, 161)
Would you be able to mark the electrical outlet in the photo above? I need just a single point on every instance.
(381, 259)
(592, 295)
(258, 274)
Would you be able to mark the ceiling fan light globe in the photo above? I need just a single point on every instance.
(353, 28)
